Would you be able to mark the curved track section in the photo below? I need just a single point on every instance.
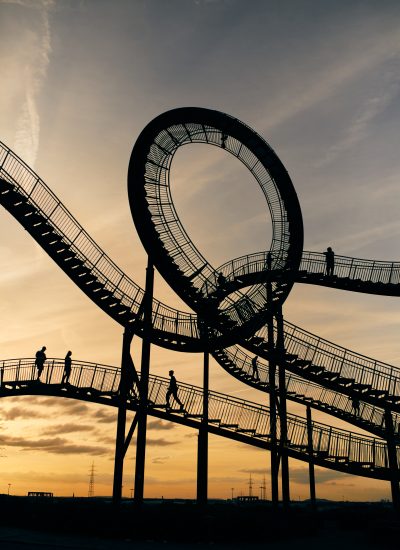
(166, 241)
(229, 417)
(37, 209)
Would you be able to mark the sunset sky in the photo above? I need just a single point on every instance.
(320, 81)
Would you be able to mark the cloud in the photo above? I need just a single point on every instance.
(327, 82)
(34, 74)
(160, 425)
(325, 476)
(105, 417)
(159, 442)
(16, 412)
(358, 128)
(67, 429)
(160, 459)
(57, 445)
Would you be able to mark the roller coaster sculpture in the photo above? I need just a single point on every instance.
(237, 314)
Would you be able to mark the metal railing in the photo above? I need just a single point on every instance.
(306, 392)
(107, 273)
(231, 414)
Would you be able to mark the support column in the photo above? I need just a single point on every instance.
(144, 385)
(202, 445)
(123, 389)
(272, 391)
(392, 455)
(310, 451)
(280, 348)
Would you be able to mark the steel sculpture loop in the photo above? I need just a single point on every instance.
(225, 313)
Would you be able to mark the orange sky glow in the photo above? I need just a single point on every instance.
(80, 81)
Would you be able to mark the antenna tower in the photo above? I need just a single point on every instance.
(250, 487)
(91, 481)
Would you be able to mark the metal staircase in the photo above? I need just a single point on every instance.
(229, 417)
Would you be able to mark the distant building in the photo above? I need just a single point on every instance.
(247, 498)
(40, 494)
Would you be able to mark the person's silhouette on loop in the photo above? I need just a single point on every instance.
(173, 390)
(330, 261)
(67, 368)
(39, 361)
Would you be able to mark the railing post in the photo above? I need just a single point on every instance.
(310, 451)
(144, 385)
(272, 391)
(392, 456)
(121, 419)
(280, 349)
(202, 446)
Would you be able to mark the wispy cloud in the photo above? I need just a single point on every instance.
(56, 445)
(327, 82)
(17, 412)
(67, 429)
(358, 128)
(34, 74)
(160, 425)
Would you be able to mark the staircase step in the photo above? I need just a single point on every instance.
(302, 363)
(362, 387)
(5, 186)
(329, 375)
(363, 464)
(228, 425)
(345, 381)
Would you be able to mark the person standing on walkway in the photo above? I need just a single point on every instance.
(67, 368)
(173, 390)
(39, 361)
(330, 261)
(355, 405)
(254, 365)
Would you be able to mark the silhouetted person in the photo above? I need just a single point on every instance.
(173, 390)
(256, 376)
(268, 262)
(355, 403)
(224, 137)
(221, 279)
(39, 361)
(67, 368)
(330, 261)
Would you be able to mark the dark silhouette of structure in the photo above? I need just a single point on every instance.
(40, 360)
(247, 308)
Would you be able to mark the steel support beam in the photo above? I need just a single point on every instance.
(130, 433)
(280, 349)
(124, 387)
(202, 444)
(310, 451)
(144, 385)
(392, 456)
(272, 392)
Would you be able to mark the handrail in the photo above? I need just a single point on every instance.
(234, 414)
